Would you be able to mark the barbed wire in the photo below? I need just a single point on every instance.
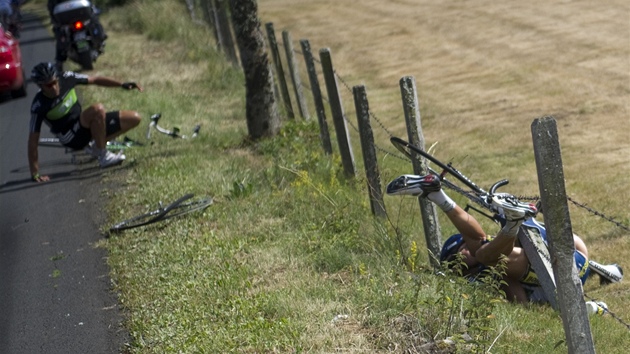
(595, 212)
(612, 314)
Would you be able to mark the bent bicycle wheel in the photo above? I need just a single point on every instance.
(187, 207)
(412, 151)
(179, 207)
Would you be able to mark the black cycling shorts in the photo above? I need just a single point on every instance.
(79, 137)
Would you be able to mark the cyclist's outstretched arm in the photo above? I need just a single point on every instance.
(33, 158)
(110, 82)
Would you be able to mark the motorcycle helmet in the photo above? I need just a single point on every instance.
(43, 73)
(451, 246)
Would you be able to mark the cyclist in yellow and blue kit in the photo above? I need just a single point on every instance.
(479, 250)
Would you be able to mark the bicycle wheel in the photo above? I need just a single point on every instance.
(188, 207)
(412, 151)
(177, 208)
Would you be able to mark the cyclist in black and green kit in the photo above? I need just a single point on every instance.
(57, 105)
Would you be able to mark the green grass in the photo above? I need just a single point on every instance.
(288, 258)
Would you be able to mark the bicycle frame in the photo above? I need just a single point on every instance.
(477, 194)
(113, 145)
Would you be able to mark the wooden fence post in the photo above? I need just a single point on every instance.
(225, 31)
(339, 119)
(275, 54)
(430, 223)
(369, 151)
(208, 9)
(215, 24)
(560, 236)
(324, 135)
(295, 76)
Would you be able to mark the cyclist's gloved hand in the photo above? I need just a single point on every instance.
(36, 177)
(131, 86)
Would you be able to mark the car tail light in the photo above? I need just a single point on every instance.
(5, 54)
(78, 25)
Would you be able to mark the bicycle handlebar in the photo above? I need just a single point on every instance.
(498, 185)
(172, 133)
(156, 117)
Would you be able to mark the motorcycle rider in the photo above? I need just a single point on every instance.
(6, 12)
(96, 29)
(56, 104)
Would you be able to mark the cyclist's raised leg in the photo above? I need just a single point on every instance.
(120, 122)
(468, 227)
(93, 118)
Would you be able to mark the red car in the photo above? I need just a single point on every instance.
(11, 72)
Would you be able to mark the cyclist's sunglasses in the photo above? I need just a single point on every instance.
(51, 84)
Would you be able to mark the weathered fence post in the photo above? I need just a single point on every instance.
(430, 223)
(295, 76)
(209, 17)
(225, 31)
(343, 136)
(215, 24)
(560, 236)
(324, 135)
(369, 152)
(275, 54)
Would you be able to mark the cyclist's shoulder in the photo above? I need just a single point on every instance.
(74, 77)
(39, 101)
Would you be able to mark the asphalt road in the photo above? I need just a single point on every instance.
(55, 293)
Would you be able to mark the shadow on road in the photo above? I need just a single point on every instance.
(59, 177)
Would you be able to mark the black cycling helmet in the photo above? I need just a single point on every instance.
(43, 73)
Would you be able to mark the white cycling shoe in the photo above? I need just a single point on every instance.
(512, 208)
(414, 185)
(613, 273)
(107, 159)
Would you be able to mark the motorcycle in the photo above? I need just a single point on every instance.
(78, 28)
(13, 22)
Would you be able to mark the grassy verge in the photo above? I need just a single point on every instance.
(288, 259)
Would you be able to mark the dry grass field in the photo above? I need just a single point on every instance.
(484, 71)
(485, 66)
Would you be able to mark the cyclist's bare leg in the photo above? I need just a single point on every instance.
(468, 227)
(580, 245)
(128, 121)
(490, 253)
(93, 118)
(514, 290)
(486, 253)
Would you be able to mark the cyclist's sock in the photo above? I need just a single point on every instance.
(511, 227)
(442, 200)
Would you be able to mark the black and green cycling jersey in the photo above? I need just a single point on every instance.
(61, 112)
